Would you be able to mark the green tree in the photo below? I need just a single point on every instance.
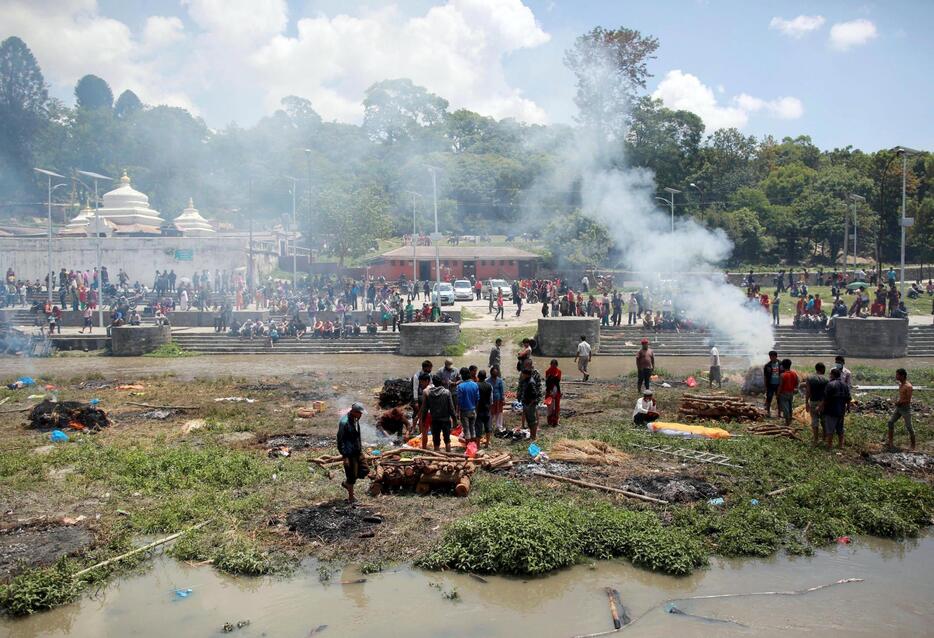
(397, 110)
(666, 141)
(745, 230)
(23, 109)
(127, 105)
(576, 240)
(91, 92)
(351, 218)
(610, 67)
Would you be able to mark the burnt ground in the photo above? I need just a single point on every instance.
(40, 545)
(674, 489)
(333, 522)
(903, 461)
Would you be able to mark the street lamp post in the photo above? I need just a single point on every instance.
(311, 221)
(672, 191)
(295, 181)
(414, 243)
(50, 175)
(436, 237)
(97, 231)
(854, 198)
(905, 221)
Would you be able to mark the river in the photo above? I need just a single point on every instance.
(893, 600)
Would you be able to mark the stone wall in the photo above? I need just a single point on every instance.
(559, 336)
(427, 339)
(875, 337)
(140, 257)
(132, 341)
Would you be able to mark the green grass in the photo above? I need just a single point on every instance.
(170, 350)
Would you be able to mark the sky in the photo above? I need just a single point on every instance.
(843, 72)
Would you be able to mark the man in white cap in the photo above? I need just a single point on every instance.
(646, 409)
(351, 448)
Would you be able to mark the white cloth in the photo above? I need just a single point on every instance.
(644, 406)
(714, 357)
(583, 350)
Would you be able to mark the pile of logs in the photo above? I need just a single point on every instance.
(775, 428)
(422, 469)
(720, 407)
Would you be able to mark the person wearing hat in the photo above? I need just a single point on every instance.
(645, 364)
(351, 448)
(646, 409)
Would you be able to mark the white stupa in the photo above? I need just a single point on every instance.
(190, 222)
(80, 221)
(127, 207)
(84, 223)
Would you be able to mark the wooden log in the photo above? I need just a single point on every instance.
(422, 488)
(614, 613)
(462, 488)
(376, 488)
(163, 407)
(641, 497)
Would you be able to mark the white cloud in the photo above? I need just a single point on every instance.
(161, 31)
(846, 35)
(455, 50)
(240, 52)
(797, 27)
(684, 91)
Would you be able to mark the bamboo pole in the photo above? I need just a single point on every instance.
(161, 541)
(641, 497)
(163, 407)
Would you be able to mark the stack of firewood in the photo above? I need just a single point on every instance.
(720, 407)
(423, 469)
(775, 428)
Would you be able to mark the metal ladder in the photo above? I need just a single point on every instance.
(690, 455)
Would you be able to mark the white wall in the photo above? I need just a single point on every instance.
(140, 257)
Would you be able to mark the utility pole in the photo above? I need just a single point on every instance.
(436, 237)
(49, 270)
(414, 238)
(854, 198)
(311, 221)
(249, 269)
(97, 231)
(905, 222)
(672, 192)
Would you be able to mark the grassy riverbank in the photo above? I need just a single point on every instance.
(149, 475)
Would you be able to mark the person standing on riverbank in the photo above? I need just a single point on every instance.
(645, 365)
(772, 376)
(814, 387)
(836, 404)
(902, 408)
(715, 374)
(583, 356)
(350, 448)
(553, 392)
(438, 403)
(788, 386)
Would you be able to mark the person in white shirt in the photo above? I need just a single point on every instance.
(583, 356)
(715, 367)
(646, 409)
(845, 375)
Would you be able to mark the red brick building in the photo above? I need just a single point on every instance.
(457, 262)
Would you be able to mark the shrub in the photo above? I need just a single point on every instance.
(39, 589)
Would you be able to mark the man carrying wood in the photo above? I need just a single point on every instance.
(350, 447)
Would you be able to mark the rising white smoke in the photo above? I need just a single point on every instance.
(691, 256)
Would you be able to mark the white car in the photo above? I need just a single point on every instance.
(445, 292)
(463, 290)
(495, 286)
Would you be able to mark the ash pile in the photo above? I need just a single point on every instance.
(75, 415)
(395, 393)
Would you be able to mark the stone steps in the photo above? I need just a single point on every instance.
(223, 344)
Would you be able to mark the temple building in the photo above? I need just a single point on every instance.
(125, 210)
(191, 224)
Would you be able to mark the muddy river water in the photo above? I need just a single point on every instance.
(895, 599)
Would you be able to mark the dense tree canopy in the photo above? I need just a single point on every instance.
(778, 200)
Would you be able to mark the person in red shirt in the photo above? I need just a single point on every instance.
(553, 392)
(817, 304)
(787, 387)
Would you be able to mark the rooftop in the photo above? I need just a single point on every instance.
(460, 252)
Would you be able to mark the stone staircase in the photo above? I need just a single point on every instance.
(210, 343)
(921, 341)
(788, 341)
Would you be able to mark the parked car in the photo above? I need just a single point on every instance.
(463, 290)
(445, 292)
(496, 285)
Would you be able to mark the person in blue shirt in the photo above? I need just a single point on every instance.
(499, 397)
(468, 395)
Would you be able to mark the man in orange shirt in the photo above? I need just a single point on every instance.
(902, 407)
(787, 387)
